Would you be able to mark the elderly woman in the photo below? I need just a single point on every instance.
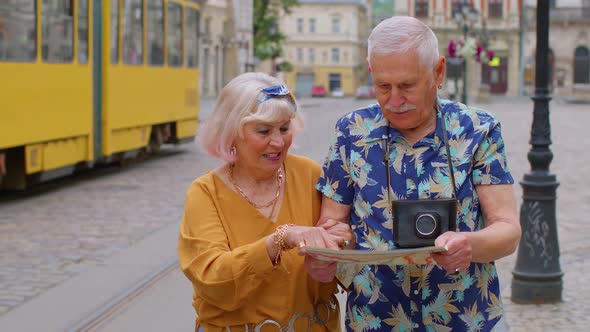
(242, 218)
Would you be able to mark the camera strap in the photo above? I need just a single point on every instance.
(446, 142)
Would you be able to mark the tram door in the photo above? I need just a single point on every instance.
(97, 67)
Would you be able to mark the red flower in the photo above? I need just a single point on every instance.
(453, 47)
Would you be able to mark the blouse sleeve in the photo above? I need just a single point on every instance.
(221, 276)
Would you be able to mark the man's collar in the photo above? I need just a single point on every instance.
(444, 108)
(379, 130)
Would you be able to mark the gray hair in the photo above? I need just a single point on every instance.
(400, 34)
(238, 105)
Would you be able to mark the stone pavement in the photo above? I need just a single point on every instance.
(571, 155)
(56, 240)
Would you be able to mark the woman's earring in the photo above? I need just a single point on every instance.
(440, 86)
(232, 152)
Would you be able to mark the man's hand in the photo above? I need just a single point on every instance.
(458, 255)
(497, 239)
(319, 270)
(340, 231)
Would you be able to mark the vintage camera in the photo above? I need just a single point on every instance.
(417, 223)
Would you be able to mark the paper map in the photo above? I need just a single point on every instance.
(418, 256)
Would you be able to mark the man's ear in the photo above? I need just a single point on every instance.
(440, 68)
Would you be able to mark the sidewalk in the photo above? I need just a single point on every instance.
(69, 305)
(569, 315)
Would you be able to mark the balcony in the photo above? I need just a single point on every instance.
(570, 15)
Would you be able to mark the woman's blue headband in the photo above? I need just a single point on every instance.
(277, 91)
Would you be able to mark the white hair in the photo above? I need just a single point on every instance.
(401, 34)
(238, 104)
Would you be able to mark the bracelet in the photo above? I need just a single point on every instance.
(279, 240)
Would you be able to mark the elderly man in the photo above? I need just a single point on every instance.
(415, 146)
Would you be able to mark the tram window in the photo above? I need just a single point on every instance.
(132, 32)
(114, 31)
(174, 35)
(18, 30)
(191, 44)
(82, 31)
(155, 32)
(57, 29)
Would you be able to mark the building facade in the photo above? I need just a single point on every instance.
(497, 22)
(213, 17)
(226, 43)
(243, 35)
(326, 44)
(569, 54)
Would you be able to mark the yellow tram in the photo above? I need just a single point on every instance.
(90, 81)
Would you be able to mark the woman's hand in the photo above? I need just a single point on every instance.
(331, 234)
(287, 237)
(300, 236)
(322, 271)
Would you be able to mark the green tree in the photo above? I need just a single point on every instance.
(268, 40)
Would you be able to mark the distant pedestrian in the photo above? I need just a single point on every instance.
(242, 219)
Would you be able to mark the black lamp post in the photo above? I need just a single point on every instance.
(537, 277)
(465, 17)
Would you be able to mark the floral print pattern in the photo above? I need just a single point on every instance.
(411, 297)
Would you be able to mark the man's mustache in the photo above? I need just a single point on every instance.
(401, 109)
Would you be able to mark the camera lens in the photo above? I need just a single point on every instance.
(426, 224)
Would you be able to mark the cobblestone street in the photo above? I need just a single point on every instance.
(570, 143)
(54, 233)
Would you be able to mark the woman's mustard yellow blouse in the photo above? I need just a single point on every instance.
(222, 251)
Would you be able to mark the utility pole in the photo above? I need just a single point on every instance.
(464, 93)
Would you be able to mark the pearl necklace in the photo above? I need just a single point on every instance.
(272, 203)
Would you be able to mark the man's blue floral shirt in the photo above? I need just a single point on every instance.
(412, 297)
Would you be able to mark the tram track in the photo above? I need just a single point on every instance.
(120, 302)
